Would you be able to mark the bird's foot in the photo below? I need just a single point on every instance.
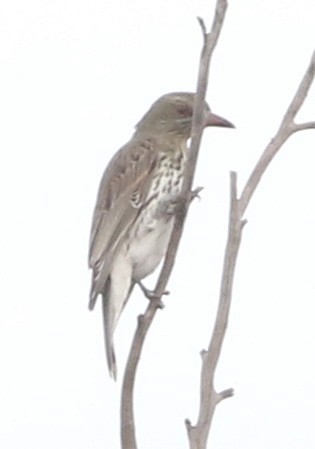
(179, 205)
(150, 294)
(195, 194)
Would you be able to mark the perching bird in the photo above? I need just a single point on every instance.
(133, 215)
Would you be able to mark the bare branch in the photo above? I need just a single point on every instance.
(210, 41)
(203, 28)
(286, 129)
(303, 126)
(128, 438)
(300, 94)
(209, 398)
(226, 394)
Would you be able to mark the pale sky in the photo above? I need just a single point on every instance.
(75, 77)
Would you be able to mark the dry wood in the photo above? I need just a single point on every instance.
(209, 398)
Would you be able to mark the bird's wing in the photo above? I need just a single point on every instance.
(123, 187)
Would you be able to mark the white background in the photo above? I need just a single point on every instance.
(76, 75)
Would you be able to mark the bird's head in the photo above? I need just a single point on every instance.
(172, 113)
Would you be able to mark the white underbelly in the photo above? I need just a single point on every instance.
(149, 242)
(147, 251)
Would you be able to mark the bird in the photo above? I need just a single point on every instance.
(134, 211)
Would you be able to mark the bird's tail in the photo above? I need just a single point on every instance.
(111, 314)
(109, 318)
(109, 327)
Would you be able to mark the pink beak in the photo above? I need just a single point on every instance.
(216, 120)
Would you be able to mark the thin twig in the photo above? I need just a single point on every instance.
(303, 126)
(286, 129)
(203, 28)
(128, 438)
(209, 398)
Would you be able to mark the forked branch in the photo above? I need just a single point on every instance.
(209, 398)
(128, 437)
(286, 129)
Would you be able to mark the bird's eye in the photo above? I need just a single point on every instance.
(185, 111)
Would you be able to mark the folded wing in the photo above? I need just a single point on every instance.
(123, 189)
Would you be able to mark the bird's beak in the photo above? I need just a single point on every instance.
(216, 120)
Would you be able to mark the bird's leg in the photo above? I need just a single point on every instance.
(151, 295)
(195, 194)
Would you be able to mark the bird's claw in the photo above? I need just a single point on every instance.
(150, 294)
(178, 205)
(195, 194)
